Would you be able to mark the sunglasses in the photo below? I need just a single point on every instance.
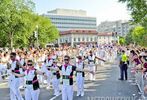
(11, 56)
(29, 64)
(66, 59)
(54, 62)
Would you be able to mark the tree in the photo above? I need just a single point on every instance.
(138, 35)
(46, 31)
(18, 23)
(12, 24)
(138, 10)
(128, 38)
(144, 40)
(121, 40)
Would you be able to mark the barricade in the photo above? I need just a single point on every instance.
(139, 80)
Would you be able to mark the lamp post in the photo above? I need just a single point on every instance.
(36, 36)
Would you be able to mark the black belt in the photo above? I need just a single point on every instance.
(48, 68)
(91, 60)
(29, 82)
(54, 73)
(79, 71)
(66, 77)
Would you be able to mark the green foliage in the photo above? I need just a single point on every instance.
(137, 35)
(128, 38)
(121, 40)
(18, 23)
(46, 29)
(144, 40)
(138, 10)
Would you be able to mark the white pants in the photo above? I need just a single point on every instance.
(56, 83)
(22, 82)
(0, 77)
(101, 63)
(92, 68)
(14, 90)
(31, 94)
(49, 75)
(80, 83)
(67, 92)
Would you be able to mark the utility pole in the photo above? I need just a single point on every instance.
(36, 36)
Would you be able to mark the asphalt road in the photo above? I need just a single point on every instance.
(106, 85)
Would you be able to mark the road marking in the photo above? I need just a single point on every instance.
(3, 84)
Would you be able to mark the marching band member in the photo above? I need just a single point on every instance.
(1, 70)
(91, 61)
(80, 77)
(32, 88)
(55, 79)
(67, 78)
(48, 62)
(14, 81)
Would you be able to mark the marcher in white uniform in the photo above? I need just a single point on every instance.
(67, 77)
(48, 62)
(14, 80)
(91, 61)
(32, 85)
(102, 55)
(22, 80)
(1, 69)
(55, 79)
(80, 77)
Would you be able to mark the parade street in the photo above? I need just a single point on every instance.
(106, 85)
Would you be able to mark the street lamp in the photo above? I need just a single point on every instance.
(36, 35)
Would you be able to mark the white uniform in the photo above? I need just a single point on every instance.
(102, 55)
(1, 71)
(80, 79)
(56, 81)
(22, 62)
(14, 84)
(30, 93)
(54, 57)
(91, 61)
(67, 88)
(48, 72)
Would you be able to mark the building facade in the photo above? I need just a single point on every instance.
(121, 27)
(107, 38)
(66, 19)
(74, 37)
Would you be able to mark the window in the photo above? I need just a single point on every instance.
(74, 39)
(95, 39)
(91, 39)
(66, 40)
(78, 39)
(87, 39)
(60, 40)
(83, 39)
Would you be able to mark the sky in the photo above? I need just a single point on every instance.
(103, 10)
